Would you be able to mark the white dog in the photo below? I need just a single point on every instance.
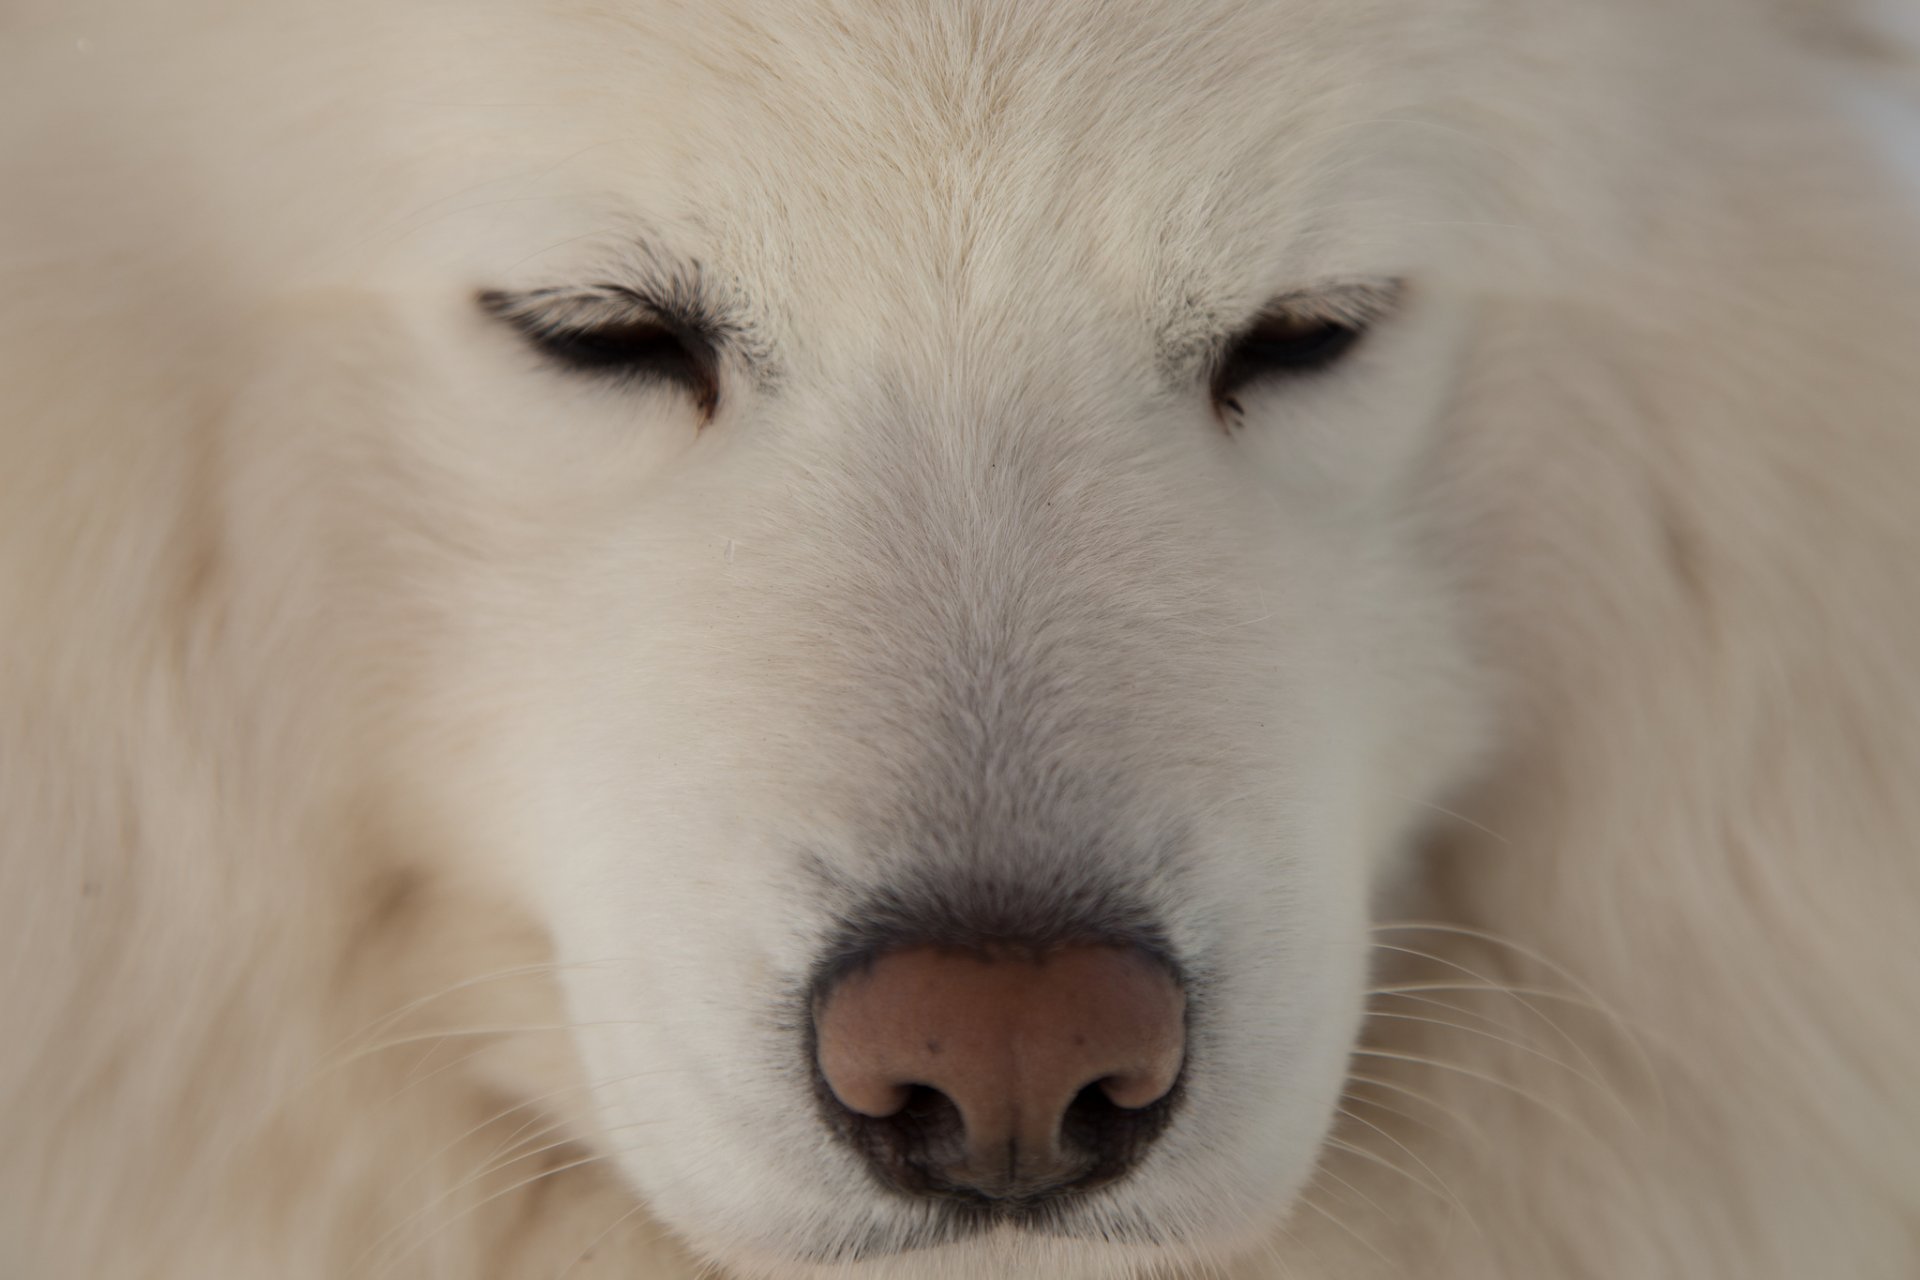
(958, 638)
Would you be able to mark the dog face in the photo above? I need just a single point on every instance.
(879, 484)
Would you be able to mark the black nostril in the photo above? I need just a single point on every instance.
(909, 1149)
(930, 1123)
(1113, 1136)
(920, 1149)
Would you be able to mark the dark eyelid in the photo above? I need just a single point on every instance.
(1299, 336)
(615, 331)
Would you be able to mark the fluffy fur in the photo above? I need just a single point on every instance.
(427, 777)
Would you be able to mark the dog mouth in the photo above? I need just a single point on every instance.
(966, 1220)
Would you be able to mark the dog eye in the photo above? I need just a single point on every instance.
(1298, 337)
(1288, 345)
(613, 334)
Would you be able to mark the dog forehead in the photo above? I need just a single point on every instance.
(868, 164)
(968, 74)
(971, 128)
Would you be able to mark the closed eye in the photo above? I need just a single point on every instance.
(616, 333)
(1298, 336)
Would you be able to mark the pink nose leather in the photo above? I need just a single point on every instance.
(1011, 1040)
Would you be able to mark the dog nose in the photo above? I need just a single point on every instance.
(1005, 1075)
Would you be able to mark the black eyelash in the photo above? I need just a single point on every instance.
(615, 332)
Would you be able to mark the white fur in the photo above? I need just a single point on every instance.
(427, 777)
